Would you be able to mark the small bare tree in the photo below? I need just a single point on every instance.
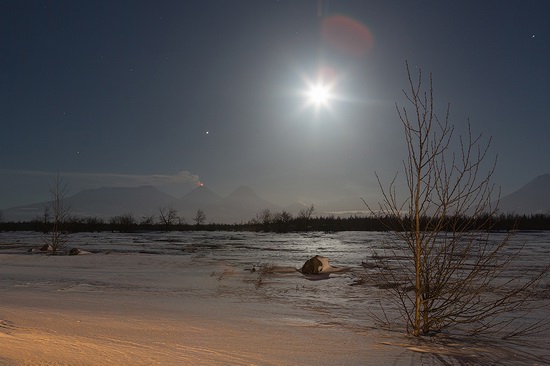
(124, 223)
(59, 212)
(445, 269)
(265, 218)
(304, 217)
(168, 217)
(200, 218)
(147, 220)
(282, 221)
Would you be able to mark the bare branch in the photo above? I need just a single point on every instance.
(446, 270)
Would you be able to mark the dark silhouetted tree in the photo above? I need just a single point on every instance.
(125, 223)
(200, 218)
(168, 217)
(264, 218)
(282, 221)
(304, 217)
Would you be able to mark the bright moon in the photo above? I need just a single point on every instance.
(318, 95)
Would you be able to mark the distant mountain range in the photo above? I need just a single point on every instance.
(532, 198)
(240, 205)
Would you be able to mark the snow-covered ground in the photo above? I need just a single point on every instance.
(241, 278)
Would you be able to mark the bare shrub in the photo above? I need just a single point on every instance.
(124, 223)
(265, 271)
(168, 217)
(265, 219)
(59, 212)
(200, 218)
(304, 217)
(282, 221)
(442, 267)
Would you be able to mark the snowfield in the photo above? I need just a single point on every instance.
(222, 298)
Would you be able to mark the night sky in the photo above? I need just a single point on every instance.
(170, 93)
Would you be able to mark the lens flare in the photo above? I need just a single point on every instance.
(347, 35)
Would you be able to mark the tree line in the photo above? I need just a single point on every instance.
(265, 221)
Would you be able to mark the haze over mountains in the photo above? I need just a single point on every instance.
(240, 205)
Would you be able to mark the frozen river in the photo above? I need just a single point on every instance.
(348, 248)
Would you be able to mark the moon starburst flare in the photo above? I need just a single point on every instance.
(318, 95)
